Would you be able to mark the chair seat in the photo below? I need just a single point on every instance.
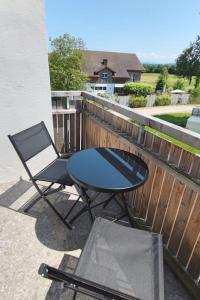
(55, 172)
(125, 259)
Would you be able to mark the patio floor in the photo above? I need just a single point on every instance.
(27, 240)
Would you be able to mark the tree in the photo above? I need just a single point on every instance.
(188, 62)
(65, 62)
(162, 80)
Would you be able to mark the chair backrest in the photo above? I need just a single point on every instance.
(31, 141)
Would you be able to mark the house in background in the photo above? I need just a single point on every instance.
(108, 71)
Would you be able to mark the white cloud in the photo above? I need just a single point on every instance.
(157, 57)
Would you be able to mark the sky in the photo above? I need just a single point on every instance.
(156, 30)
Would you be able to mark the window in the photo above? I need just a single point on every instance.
(131, 77)
(104, 75)
(100, 88)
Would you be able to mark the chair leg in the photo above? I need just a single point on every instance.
(69, 212)
(38, 198)
(108, 201)
(57, 213)
(32, 204)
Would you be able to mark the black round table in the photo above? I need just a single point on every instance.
(106, 170)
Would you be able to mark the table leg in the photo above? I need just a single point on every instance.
(86, 198)
(87, 207)
(131, 221)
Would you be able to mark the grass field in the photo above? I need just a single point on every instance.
(179, 119)
(151, 78)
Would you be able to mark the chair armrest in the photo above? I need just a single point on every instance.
(68, 278)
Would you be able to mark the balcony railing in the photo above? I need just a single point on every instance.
(169, 202)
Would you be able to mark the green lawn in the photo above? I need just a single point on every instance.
(179, 119)
(151, 78)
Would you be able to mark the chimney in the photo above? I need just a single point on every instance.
(105, 62)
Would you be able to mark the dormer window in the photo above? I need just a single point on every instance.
(104, 75)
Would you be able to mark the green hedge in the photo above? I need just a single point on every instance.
(137, 101)
(162, 100)
(138, 89)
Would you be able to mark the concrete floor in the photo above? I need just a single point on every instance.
(27, 240)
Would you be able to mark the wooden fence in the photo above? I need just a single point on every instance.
(67, 121)
(169, 202)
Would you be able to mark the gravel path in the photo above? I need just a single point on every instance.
(157, 110)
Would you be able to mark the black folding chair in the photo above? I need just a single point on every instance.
(28, 143)
(117, 262)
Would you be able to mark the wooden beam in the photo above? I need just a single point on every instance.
(64, 111)
(65, 93)
(184, 135)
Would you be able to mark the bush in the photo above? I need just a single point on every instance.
(179, 84)
(162, 100)
(104, 95)
(138, 89)
(195, 96)
(138, 101)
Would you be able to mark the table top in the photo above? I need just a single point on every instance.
(107, 170)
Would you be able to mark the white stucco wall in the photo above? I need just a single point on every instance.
(24, 77)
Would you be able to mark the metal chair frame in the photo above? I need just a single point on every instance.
(44, 193)
(81, 285)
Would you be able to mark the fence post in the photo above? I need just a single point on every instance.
(141, 134)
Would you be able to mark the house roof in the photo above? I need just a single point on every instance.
(120, 63)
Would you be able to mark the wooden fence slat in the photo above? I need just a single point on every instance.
(66, 133)
(153, 201)
(172, 209)
(165, 149)
(186, 162)
(72, 132)
(181, 220)
(146, 191)
(78, 131)
(195, 170)
(164, 198)
(148, 140)
(55, 129)
(191, 234)
(135, 132)
(194, 265)
(156, 144)
(60, 134)
(138, 195)
(174, 156)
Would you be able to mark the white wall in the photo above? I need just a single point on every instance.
(24, 77)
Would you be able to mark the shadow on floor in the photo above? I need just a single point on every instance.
(53, 234)
(9, 196)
